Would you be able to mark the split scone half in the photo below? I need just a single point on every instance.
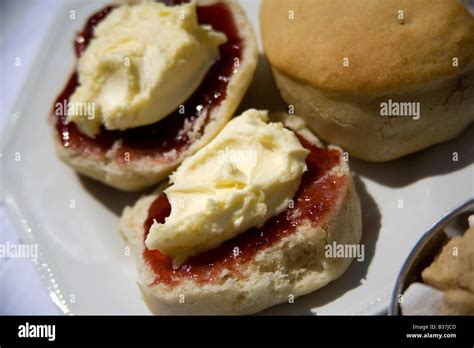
(136, 157)
(281, 258)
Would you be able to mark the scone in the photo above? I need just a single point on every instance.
(382, 79)
(283, 256)
(171, 96)
(458, 302)
(448, 282)
(453, 268)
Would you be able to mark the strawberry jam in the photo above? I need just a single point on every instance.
(318, 194)
(158, 139)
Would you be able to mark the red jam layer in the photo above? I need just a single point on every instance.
(317, 195)
(168, 134)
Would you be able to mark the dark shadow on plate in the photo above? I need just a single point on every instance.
(357, 271)
(263, 93)
(436, 160)
(113, 199)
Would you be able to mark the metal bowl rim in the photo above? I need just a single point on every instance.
(394, 308)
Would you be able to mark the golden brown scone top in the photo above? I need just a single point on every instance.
(385, 54)
(453, 268)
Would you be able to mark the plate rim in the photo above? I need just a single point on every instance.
(9, 129)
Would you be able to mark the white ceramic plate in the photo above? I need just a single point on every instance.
(83, 258)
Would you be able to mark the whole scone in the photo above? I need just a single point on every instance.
(382, 79)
